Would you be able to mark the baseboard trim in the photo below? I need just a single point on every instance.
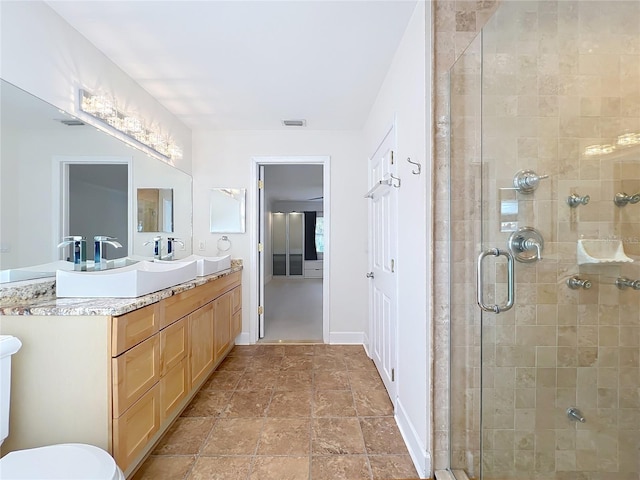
(346, 338)
(243, 339)
(417, 450)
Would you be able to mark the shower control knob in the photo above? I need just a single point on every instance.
(526, 181)
(576, 283)
(574, 200)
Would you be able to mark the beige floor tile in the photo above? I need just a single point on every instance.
(333, 403)
(372, 402)
(257, 379)
(248, 403)
(359, 362)
(340, 467)
(292, 350)
(295, 403)
(265, 362)
(324, 362)
(273, 350)
(337, 436)
(243, 351)
(208, 403)
(226, 380)
(365, 380)
(382, 436)
(388, 467)
(280, 468)
(165, 468)
(238, 363)
(295, 380)
(331, 380)
(298, 362)
(220, 468)
(185, 437)
(234, 436)
(285, 436)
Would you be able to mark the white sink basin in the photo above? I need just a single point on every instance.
(131, 281)
(206, 265)
(36, 271)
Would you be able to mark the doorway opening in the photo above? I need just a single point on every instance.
(94, 196)
(292, 218)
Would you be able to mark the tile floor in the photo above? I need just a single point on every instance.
(286, 412)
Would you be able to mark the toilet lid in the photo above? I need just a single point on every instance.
(70, 461)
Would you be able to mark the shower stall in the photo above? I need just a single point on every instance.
(545, 237)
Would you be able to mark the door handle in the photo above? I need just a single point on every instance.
(370, 275)
(510, 281)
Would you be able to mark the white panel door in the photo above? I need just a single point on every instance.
(382, 256)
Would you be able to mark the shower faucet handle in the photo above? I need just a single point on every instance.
(575, 200)
(526, 181)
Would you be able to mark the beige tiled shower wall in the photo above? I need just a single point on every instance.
(558, 78)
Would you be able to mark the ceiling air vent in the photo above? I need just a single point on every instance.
(294, 123)
(72, 123)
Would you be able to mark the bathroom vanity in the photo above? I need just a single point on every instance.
(116, 373)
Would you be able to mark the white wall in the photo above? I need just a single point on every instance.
(44, 55)
(403, 96)
(225, 159)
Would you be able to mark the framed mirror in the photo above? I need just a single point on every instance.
(227, 210)
(155, 210)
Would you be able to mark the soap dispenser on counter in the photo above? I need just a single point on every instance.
(79, 250)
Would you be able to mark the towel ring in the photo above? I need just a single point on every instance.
(224, 243)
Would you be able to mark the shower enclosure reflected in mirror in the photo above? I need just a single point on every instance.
(227, 210)
(155, 210)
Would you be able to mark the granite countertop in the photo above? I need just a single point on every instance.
(38, 298)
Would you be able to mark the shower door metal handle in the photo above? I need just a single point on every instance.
(496, 252)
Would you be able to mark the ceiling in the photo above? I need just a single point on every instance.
(248, 65)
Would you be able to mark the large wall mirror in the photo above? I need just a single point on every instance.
(40, 154)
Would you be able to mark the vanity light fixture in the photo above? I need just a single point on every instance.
(103, 108)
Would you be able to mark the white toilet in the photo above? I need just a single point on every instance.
(69, 461)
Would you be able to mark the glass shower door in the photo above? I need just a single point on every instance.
(551, 388)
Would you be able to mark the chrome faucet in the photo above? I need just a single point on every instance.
(171, 247)
(99, 263)
(79, 248)
(157, 246)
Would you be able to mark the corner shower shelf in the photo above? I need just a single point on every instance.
(610, 252)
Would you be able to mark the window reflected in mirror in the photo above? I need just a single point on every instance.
(155, 210)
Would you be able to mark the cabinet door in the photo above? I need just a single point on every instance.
(236, 299)
(135, 372)
(236, 324)
(222, 321)
(201, 350)
(173, 345)
(133, 430)
(174, 387)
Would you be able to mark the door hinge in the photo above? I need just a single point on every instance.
(260, 184)
(392, 157)
(393, 374)
(260, 310)
(260, 247)
(393, 265)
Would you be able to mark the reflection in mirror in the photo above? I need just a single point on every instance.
(38, 143)
(155, 210)
(227, 210)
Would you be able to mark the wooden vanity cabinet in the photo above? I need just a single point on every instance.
(162, 354)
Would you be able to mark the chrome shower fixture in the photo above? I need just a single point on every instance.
(623, 283)
(575, 200)
(526, 181)
(526, 245)
(621, 199)
(575, 283)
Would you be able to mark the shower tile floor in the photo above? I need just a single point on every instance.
(286, 412)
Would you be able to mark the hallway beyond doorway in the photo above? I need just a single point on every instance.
(293, 310)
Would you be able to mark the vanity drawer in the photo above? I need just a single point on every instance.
(134, 327)
(174, 387)
(236, 299)
(134, 372)
(133, 430)
(182, 304)
(173, 345)
(221, 285)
